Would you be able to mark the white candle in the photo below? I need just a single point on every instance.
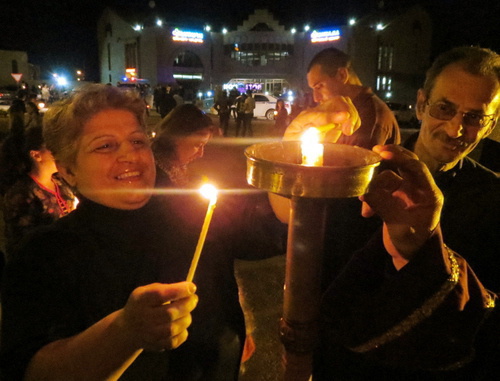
(312, 149)
(210, 192)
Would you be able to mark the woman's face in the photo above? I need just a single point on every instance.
(114, 163)
(191, 147)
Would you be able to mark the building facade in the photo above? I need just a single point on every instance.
(15, 68)
(390, 52)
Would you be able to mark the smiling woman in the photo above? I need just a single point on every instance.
(93, 277)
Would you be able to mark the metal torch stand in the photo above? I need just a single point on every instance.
(301, 300)
(346, 172)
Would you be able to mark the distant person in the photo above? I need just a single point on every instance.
(33, 116)
(240, 111)
(249, 107)
(233, 94)
(156, 98)
(330, 75)
(280, 117)
(13, 161)
(223, 107)
(166, 101)
(179, 100)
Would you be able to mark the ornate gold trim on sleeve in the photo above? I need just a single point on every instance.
(426, 310)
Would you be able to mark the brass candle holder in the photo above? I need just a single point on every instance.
(277, 167)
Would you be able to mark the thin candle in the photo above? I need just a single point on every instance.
(312, 149)
(210, 192)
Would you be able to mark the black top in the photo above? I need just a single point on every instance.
(418, 323)
(85, 266)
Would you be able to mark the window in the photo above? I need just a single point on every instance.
(258, 54)
(15, 67)
(385, 57)
(131, 55)
(187, 59)
(108, 30)
(384, 83)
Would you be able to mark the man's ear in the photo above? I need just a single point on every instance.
(67, 174)
(342, 75)
(421, 101)
(35, 155)
(490, 128)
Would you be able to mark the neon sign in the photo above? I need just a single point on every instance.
(325, 35)
(187, 36)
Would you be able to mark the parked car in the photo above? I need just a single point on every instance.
(405, 114)
(5, 104)
(265, 106)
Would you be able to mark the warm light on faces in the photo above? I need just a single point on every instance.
(324, 86)
(444, 142)
(114, 164)
(191, 147)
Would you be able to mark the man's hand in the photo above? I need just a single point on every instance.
(333, 118)
(408, 201)
(156, 316)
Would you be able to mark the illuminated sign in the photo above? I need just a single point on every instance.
(188, 76)
(325, 35)
(187, 36)
(131, 74)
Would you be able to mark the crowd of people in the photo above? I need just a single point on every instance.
(410, 269)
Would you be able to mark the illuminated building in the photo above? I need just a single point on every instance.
(390, 52)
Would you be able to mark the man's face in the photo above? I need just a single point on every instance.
(324, 86)
(442, 142)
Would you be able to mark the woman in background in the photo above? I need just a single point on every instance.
(280, 117)
(39, 196)
(181, 138)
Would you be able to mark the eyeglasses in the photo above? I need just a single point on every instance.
(446, 111)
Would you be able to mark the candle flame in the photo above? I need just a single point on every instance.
(209, 192)
(311, 136)
(312, 149)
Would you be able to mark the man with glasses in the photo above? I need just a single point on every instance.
(377, 320)
(459, 106)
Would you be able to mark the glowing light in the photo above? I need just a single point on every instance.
(293, 30)
(209, 93)
(224, 30)
(61, 81)
(312, 149)
(187, 36)
(159, 22)
(306, 28)
(137, 27)
(210, 192)
(380, 26)
(325, 35)
(208, 28)
(352, 21)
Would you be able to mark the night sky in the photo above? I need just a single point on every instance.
(61, 35)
